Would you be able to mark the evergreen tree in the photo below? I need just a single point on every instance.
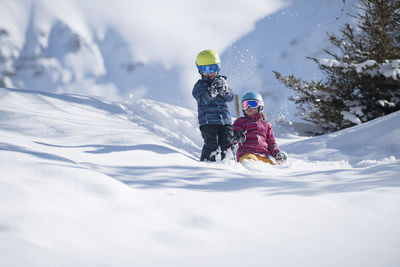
(362, 80)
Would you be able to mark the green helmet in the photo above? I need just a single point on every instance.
(207, 57)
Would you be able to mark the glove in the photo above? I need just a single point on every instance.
(240, 136)
(280, 156)
(220, 85)
(213, 92)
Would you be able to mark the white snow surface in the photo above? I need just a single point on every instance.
(88, 182)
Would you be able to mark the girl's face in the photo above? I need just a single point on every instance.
(251, 111)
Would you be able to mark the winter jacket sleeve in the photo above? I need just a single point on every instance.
(272, 146)
(200, 93)
(211, 110)
(229, 96)
(238, 125)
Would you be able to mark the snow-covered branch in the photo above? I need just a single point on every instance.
(389, 68)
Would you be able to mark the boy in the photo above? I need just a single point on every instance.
(212, 94)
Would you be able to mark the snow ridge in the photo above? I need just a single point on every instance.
(89, 182)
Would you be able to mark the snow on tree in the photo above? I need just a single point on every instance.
(362, 81)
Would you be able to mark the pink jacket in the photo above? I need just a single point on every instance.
(260, 139)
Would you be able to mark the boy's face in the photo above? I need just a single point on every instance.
(210, 75)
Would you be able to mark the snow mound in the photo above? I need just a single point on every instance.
(178, 125)
(372, 141)
(171, 124)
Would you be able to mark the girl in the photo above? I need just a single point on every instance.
(254, 134)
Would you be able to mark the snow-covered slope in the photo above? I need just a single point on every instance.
(362, 144)
(118, 49)
(134, 49)
(88, 182)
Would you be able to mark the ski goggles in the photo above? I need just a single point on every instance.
(252, 104)
(209, 68)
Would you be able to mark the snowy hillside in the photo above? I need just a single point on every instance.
(88, 182)
(118, 49)
(135, 49)
(282, 42)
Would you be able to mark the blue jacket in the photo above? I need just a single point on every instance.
(211, 110)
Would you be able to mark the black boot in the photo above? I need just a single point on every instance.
(207, 154)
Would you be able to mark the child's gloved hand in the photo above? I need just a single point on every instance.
(212, 91)
(240, 136)
(220, 84)
(280, 156)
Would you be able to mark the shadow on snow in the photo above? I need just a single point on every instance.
(104, 149)
(199, 178)
(42, 155)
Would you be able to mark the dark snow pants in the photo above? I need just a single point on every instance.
(216, 136)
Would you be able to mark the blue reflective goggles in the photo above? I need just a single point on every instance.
(209, 68)
(252, 104)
